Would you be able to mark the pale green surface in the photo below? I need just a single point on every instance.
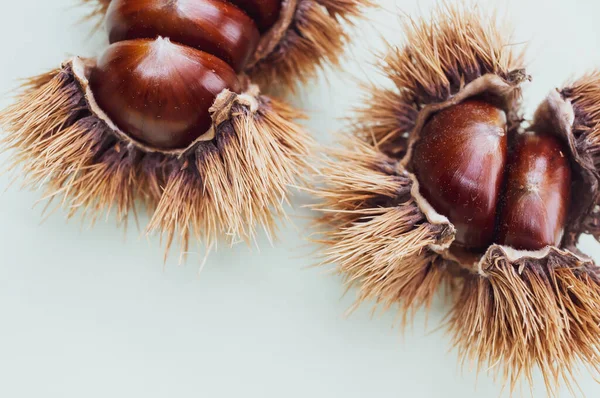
(86, 314)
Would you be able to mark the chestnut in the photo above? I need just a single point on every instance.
(213, 26)
(460, 161)
(160, 92)
(537, 194)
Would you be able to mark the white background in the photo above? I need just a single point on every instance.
(95, 313)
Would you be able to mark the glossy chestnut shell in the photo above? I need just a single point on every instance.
(536, 200)
(493, 188)
(160, 92)
(213, 26)
(460, 160)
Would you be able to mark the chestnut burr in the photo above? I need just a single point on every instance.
(443, 186)
(176, 117)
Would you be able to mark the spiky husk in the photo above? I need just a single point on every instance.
(225, 188)
(375, 232)
(517, 314)
(510, 312)
(316, 37)
(584, 96)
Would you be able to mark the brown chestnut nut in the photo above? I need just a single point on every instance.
(459, 161)
(213, 26)
(160, 92)
(538, 184)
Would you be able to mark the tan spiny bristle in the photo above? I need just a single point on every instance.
(385, 119)
(99, 7)
(381, 250)
(517, 320)
(235, 186)
(585, 96)
(97, 12)
(242, 187)
(431, 68)
(316, 37)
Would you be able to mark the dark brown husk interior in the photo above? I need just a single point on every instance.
(584, 96)
(512, 311)
(227, 188)
(316, 37)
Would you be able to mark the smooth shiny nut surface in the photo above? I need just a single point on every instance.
(459, 160)
(536, 201)
(160, 92)
(213, 26)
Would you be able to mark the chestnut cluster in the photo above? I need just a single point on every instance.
(169, 59)
(493, 185)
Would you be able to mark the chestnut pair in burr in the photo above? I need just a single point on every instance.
(442, 186)
(493, 188)
(160, 90)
